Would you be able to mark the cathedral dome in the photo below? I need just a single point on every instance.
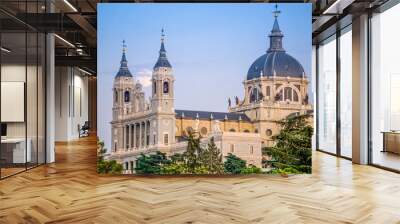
(276, 62)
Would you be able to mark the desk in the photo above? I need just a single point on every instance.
(391, 141)
(13, 150)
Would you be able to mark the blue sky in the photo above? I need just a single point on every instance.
(210, 46)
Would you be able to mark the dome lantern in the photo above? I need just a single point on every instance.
(275, 62)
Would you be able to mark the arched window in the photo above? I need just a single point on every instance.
(288, 93)
(268, 91)
(295, 96)
(232, 148)
(116, 96)
(251, 149)
(256, 131)
(154, 87)
(254, 95)
(246, 131)
(268, 132)
(166, 87)
(279, 96)
(232, 130)
(127, 96)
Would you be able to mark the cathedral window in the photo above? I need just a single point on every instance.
(166, 87)
(165, 139)
(254, 95)
(116, 96)
(295, 96)
(287, 94)
(127, 96)
(154, 87)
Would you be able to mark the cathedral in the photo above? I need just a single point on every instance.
(275, 87)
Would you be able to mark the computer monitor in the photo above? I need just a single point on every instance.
(3, 129)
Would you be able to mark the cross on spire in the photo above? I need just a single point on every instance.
(123, 46)
(276, 12)
(162, 34)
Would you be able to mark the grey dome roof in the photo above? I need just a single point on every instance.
(276, 61)
(123, 69)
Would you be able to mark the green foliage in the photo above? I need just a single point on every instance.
(211, 159)
(111, 167)
(192, 153)
(106, 166)
(151, 164)
(292, 149)
(286, 171)
(250, 170)
(174, 168)
(234, 164)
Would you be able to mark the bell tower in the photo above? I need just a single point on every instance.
(123, 89)
(162, 100)
(163, 82)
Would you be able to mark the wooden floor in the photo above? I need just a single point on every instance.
(70, 191)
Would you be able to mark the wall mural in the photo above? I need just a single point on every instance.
(254, 113)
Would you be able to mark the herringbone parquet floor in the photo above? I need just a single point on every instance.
(70, 191)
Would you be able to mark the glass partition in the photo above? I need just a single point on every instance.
(327, 95)
(22, 77)
(346, 92)
(385, 89)
(14, 155)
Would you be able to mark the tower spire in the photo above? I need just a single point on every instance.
(162, 60)
(276, 35)
(123, 69)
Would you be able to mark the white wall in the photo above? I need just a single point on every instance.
(71, 102)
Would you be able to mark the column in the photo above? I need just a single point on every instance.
(134, 135)
(145, 133)
(140, 135)
(360, 90)
(50, 93)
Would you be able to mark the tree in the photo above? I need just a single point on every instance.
(192, 152)
(151, 164)
(234, 164)
(212, 158)
(292, 147)
(106, 166)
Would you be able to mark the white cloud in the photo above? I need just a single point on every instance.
(144, 77)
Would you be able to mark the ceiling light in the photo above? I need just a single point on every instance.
(84, 71)
(70, 5)
(5, 50)
(337, 7)
(64, 40)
